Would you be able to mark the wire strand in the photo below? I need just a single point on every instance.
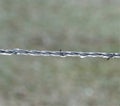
(59, 53)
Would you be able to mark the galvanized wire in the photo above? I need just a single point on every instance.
(58, 53)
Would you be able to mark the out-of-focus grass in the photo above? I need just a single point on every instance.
(68, 25)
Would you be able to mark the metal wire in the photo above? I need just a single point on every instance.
(59, 53)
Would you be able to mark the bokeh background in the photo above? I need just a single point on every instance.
(75, 25)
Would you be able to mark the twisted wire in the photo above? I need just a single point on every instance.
(59, 53)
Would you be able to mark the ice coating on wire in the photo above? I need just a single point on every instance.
(58, 53)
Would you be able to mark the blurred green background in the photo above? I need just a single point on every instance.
(75, 25)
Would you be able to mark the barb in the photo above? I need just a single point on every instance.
(59, 53)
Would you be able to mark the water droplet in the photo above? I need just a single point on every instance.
(82, 56)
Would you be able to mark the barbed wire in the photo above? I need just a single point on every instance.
(59, 53)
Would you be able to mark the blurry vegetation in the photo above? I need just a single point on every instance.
(78, 25)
